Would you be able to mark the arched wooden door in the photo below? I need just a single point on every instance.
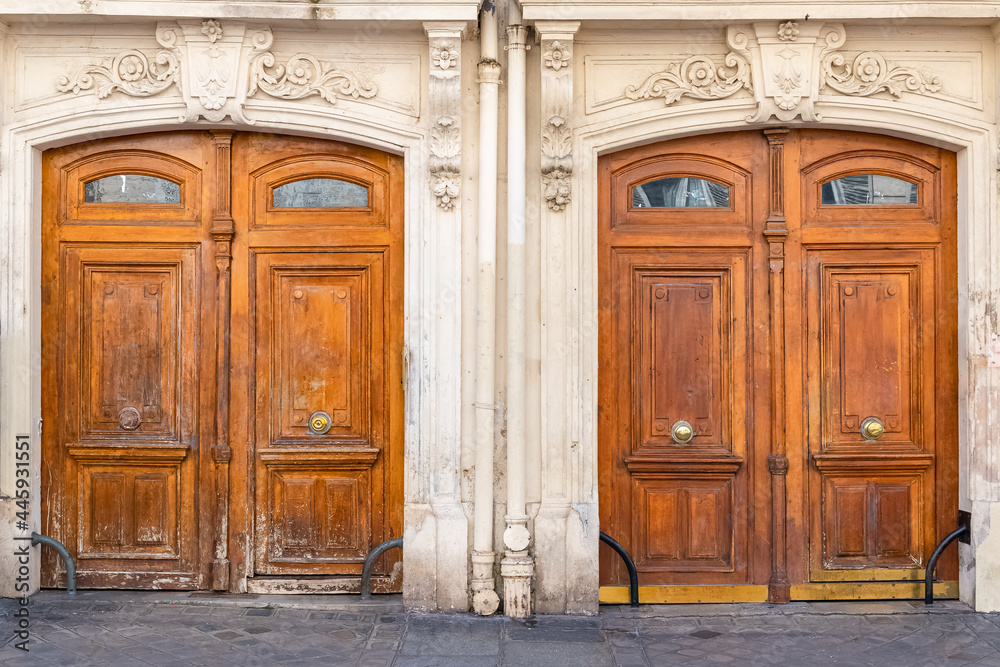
(222, 396)
(778, 365)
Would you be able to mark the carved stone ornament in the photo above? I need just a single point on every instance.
(699, 77)
(302, 75)
(444, 57)
(788, 32)
(130, 72)
(445, 162)
(206, 60)
(557, 163)
(870, 73)
(557, 56)
(786, 64)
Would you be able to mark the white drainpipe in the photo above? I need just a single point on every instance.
(516, 567)
(484, 598)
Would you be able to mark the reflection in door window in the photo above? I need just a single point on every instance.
(869, 189)
(680, 192)
(131, 189)
(320, 193)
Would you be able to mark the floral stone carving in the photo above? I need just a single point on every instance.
(870, 73)
(445, 162)
(130, 72)
(557, 56)
(557, 163)
(697, 77)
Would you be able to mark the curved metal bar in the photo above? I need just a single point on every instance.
(932, 563)
(37, 539)
(633, 576)
(366, 571)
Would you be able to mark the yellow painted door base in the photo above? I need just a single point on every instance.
(684, 594)
(872, 590)
(867, 590)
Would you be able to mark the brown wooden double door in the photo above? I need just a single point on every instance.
(222, 348)
(777, 369)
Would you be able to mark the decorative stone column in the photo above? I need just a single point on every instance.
(435, 534)
(565, 536)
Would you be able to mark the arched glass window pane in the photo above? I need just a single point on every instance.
(131, 189)
(680, 192)
(320, 193)
(869, 189)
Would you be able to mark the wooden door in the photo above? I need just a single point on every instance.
(127, 374)
(681, 320)
(319, 325)
(873, 312)
(206, 297)
(779, 292)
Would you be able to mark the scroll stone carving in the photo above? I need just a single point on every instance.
(871, 73)
(699, 77)
(130, 72)
(206, 61)
(557, 163)
(445, 162)
(301, 76)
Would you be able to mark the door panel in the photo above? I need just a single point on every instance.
(320, 348)
(677, 290)
(319, 320)
(126, 376)
(821, 393)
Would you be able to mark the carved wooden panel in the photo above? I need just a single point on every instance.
(683, 524)
(129, 512)
(874, 350)
(872, 521)
(683, 367)
(321, 362)
(133, 350)
(321, 515)
(315, 326)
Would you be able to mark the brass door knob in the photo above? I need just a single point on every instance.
(872, 428)
(682, 432)
(320, 422)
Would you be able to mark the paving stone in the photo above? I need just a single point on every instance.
(548, 654)
(449, 636)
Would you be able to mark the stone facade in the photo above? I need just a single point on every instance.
(402, 77)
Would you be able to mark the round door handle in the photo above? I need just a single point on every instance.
(872, 428)
(682, 432)
(320, 422)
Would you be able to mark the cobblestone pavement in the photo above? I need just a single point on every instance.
(125, 628)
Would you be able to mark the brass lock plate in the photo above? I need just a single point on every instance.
(320, 422)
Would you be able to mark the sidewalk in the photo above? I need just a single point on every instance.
(130, 628)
